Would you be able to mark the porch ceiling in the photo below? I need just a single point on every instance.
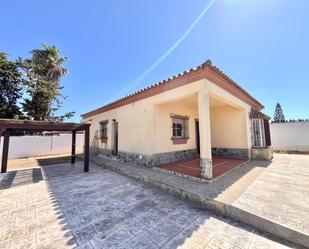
(188, 100)
(191, 101)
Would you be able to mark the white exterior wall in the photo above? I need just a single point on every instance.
(292, 136)
(30, 146)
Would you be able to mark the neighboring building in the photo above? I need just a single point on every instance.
(200, 112)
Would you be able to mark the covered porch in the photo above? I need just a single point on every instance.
(215, 126)
(224, 133)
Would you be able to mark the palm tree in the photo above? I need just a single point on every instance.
(44, 71)
(48, 64)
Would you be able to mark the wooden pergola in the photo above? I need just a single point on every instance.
(9, 125)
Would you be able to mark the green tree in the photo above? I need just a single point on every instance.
(279, 116)
(11, 84)
(43, 72)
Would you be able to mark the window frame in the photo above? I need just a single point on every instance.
(177, 120)
(178, 128)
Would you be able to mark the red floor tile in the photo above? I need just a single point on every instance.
(192, 167)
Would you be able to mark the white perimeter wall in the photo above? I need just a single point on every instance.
(290, 136)
(29, 146)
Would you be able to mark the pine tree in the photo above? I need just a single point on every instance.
(279, 116)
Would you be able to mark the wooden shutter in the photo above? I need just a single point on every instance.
(267, 133)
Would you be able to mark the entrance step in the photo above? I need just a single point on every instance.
(218, 196)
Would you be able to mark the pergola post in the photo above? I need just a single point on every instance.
(86, 159)
(73, 147)
(5, 151)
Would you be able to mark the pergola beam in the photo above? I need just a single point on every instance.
(28, 125)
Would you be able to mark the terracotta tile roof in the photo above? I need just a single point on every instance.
(164, 84)
(255, 114)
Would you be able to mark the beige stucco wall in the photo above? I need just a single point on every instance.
(145, 125)
(224, 96)
(163, 126)
(135, 127)
(228, 127)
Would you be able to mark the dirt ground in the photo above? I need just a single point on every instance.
(36, 162)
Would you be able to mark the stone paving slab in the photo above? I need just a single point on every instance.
(284, 216)
(103, 209)
(215, 190)
(281, 193)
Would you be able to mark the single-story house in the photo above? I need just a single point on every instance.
(200, 113)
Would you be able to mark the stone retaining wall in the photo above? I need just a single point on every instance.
(232, 153)
(168, 157)
(173, 156)
(262, 154)
(146, 160)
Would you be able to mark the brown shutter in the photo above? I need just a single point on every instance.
(267, 133)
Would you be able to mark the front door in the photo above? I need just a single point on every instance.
(197, 136)
(115, 138)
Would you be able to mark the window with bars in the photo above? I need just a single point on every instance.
(103, 130)
(258, 133)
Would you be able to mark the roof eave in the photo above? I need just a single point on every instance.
(215, 74)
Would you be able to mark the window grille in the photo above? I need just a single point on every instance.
(103, 129)
(258, 133)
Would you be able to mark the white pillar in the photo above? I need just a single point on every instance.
(205, 134)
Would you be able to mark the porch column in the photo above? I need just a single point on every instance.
(205, 135)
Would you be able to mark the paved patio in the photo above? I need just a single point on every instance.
(192, 167)
(245, 193)
(281, 193)
(65, 208)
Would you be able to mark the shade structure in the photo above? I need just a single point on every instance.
(9, 125)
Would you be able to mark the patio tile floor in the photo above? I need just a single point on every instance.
(192, 167)
(65, 208)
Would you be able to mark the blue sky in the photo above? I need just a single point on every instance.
(261, 44)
